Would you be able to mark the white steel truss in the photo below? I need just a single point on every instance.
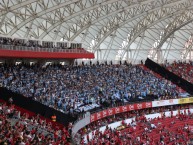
(103, 25)
(131, 14)
(185, 18)
(188, 47)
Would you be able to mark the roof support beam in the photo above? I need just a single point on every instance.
(43, 12)
(75, 14)
(122, 12)
(11, 9)
(184, 19)
(140, 27)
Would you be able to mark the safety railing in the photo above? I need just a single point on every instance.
(85, 116)
(136, 105)
(38, 49)
(118, 104)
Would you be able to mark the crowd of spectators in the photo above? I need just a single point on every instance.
(141, 131)
(81, 88)
(37, 44)
(182, 69)
(119, 117)
(18, 128)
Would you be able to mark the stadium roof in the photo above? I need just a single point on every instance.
(113, 29)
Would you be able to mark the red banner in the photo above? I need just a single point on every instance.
(120, 109)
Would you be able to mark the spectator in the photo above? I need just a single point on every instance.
(156, 131)
(72, 89)
(27, 130)
(182, 69)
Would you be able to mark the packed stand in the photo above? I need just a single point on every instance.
(81, 88)
(17, 128)
(161, 130)
(182, 69)
(32, 44)
(122, 116)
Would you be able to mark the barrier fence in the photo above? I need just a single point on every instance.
(129, 120)
(185, 100)
(38, 49)
(129, 107)
(120, 109)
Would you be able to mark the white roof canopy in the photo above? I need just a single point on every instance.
(113, 29)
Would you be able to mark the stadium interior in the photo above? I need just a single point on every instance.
(96, 72)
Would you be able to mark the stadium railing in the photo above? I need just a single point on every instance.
(38, 49)
(105, 112)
